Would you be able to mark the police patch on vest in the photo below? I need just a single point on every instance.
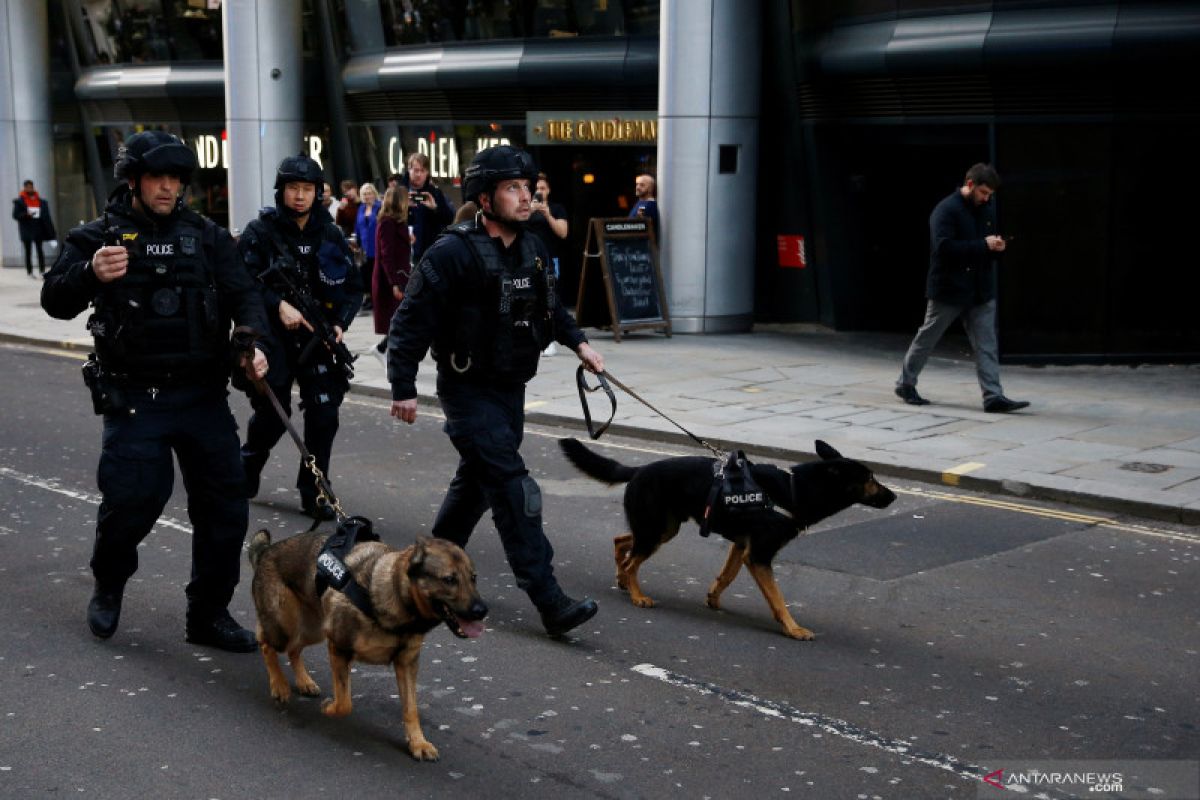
(160, 248)
(187, 245)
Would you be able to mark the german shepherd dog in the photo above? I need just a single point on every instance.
(662, 495)
(412, 591)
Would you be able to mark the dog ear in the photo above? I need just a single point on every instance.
(826, 452)
(416, 562)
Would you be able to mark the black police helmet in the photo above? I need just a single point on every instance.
(156, 152)
(300, 169)
(496, 164)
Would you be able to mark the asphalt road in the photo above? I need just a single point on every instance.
(956, 634)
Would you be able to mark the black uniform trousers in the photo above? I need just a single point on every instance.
(136, 478)
(486, 426)
(322, 388)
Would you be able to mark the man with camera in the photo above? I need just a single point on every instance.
(312, 292)
(164, 283)
(429, 212)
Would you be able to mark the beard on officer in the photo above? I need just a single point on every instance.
(164, 286)
(482, 298)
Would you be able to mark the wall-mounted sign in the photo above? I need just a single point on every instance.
(212, 152)
(591, 127)
(791, 251)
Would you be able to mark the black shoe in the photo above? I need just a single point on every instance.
(221, 631)
(1002, 405)
(909, 395)
(565, 614)
(104, 611)
(321, 512)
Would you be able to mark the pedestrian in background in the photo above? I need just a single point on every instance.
(163, 283)
(393, 248)
(548, 221)
(364, 231)
(644, 189)
(429, 212)
(486, 352)
(34, 224)
(963, 246)
(347, 212)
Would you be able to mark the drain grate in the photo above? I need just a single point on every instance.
(1144, 466)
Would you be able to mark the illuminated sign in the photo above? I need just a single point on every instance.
(573, 127)
(212, 152)
(442, 152)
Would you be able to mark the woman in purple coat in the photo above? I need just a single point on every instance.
(392, 262)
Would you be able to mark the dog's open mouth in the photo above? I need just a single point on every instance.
(460, 627)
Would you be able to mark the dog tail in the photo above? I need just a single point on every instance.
(258, 544)
(593, 464)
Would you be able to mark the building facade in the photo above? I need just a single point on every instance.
(799, 145)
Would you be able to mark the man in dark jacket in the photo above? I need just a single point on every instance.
(301, 258)
(429, 212)
(32, 213)
(963, 245)
(164, 283)
(483, 296)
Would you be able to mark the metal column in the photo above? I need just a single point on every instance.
(26, 136)
(264, 99)
(709, 94)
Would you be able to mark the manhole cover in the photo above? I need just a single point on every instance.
(1143, 466)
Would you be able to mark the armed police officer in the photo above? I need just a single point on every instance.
(164, 283)
(312, 292)
(483, 297)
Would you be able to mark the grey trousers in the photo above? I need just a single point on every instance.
(980, 323)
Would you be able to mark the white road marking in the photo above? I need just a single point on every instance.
(51, 485)
(829, 725)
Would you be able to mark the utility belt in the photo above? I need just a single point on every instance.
(112, 392)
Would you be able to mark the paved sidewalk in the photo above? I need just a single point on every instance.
(1113, 438)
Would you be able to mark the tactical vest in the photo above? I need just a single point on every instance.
(160, 323)
(502, 328)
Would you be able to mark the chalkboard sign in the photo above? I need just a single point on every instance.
(629, 272)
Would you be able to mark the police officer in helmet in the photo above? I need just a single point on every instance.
(164, 283)
(483, 298)
(304, 265)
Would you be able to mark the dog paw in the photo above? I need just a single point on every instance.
(713, 601)
(331, 709)
(642, 602)
(423, 751)
(309, 689)
(803, 634)
(622, 583)
(281, 694)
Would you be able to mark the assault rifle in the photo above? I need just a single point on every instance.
(299, 296)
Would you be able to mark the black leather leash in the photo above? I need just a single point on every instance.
(604, 378)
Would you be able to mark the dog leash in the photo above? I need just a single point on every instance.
(603, 379)
(243, 342)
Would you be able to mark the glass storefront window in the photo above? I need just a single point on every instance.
(433, 22)
(149, 31)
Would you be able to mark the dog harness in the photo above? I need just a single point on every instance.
(734, 490)
(331, 563)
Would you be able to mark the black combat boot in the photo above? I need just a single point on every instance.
(220, 630)
(104, 610)
(563, 614)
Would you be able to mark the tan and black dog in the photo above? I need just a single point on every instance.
(412, 591)
(662, 495)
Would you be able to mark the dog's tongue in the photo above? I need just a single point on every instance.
(473, 629)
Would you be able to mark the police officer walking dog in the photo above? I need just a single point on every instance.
(312, 291)
(164, 283)
(483, 296)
